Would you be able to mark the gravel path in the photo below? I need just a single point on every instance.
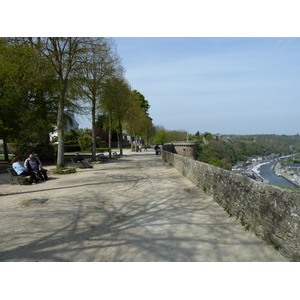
(136, 208)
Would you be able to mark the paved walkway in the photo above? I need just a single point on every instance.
(136, 208)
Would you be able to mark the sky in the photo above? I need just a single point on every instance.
(220, 85)
(219, 67)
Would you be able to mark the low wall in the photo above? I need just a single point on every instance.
(187, 149)
(270, 212)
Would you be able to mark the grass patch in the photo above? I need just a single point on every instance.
(63, 170)
(245, 225)
(10, 157)
(226, 208)
(23, 181)
(275, 245)
(288, 188)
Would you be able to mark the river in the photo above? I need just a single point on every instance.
(267, 173)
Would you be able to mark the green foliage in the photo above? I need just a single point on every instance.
(142, 101)
(63, 170)
(160, 137)
(71, 137)
(292, 161)
(72, 148)
(232, 149)
(27, 86)
(245, 225)
(288, 188)
(85, 142)
(102, 150)
(215, 162)
(208, 136)
(40, 81)
(24, 181)
(226, 208)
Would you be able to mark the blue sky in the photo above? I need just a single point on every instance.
(215, 66)
(218, 85)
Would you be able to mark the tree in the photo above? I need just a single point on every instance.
(160, 137)
(71, 137)
(65, 56)
(116, 101)
(142, 101)
(26, 99)
(100, 62)
(137, 122)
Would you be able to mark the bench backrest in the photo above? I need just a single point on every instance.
(12, 172)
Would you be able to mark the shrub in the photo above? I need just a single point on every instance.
(63, 170)
(72, 148)
(85, 142)
(102, 150)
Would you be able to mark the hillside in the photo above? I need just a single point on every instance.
(225, 151)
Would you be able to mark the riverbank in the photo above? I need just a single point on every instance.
(280, 172)
(261, 171)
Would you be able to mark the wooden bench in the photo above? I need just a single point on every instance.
(75, 162)
(15, 178)
(116, 155)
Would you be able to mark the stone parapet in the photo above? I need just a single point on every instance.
(270, 212)
(186, 149)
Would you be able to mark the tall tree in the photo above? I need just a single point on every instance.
(116, 101)
(137, 122)
(27, 87)
(100, 62)
(142, 101)
(65, 56)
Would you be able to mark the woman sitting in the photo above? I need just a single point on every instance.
(21, 170)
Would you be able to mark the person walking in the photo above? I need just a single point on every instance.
(157, 149)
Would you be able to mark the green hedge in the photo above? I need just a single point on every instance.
(72, 148)
(101, 150)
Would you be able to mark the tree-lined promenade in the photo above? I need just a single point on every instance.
(42, 79)
(45, 80)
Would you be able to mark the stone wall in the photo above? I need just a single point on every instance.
(187, 149)
(270, 212)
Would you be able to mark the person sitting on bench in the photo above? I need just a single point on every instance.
(21, 170)
(32, 163)
(80, 159)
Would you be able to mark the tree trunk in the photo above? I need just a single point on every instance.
(94, 130)
(109, 136)
(5, 149)
(135, 149)
(120, 138)
(60, 126)
(131, 140)
(60, 135)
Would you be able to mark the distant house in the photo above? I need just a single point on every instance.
(71, 122)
